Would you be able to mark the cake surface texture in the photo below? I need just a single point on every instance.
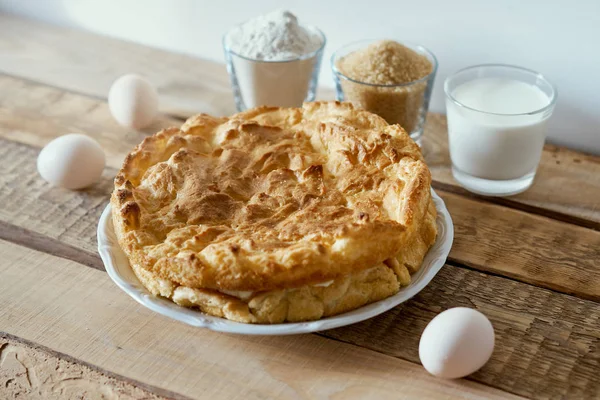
(276, 214)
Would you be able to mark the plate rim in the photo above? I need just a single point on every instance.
(109, 251)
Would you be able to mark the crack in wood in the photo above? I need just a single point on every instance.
(39, 242)
(33, 356)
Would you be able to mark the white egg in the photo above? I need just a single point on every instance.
(133, 101)
(72, 161)
(456, 343)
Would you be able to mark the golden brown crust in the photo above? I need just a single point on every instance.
(287, 305)
(273, 199)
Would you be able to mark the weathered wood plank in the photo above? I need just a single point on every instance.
(526, 247)
(79, 311)
(547, 343)
(561, 172)
(536, 330)
(488, 237)
(31, 372)
(29, 202)
(35, 114)
(42, 210)
(86, 63)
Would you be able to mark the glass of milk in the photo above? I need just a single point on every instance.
(497, 126)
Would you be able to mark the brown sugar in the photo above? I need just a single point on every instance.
(387, 63)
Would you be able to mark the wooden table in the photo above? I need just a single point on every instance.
(531, 262)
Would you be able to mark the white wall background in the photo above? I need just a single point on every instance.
(559, 38)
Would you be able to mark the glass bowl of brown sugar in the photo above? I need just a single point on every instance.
(388, 78)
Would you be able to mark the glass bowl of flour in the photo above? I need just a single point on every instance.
(272, 60)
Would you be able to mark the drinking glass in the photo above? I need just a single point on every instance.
(497, 154)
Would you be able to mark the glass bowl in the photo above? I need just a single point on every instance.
(405, 104)
(286, 83)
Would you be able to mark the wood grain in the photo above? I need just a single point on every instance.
(86, 63)
(35, 114)
(37, 241)
(79, 311)
(30, 372)
(398, 333)
(547, 343)
(526, 247)
(561, 172)
(29, 202)
(537, 331)
(488, 237)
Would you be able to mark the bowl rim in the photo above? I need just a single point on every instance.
(424, 50)
(538, 75)
(229, 50)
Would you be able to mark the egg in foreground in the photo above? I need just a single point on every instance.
(456, 343)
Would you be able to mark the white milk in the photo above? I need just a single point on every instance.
(496, 146)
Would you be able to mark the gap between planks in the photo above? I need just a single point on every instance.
(489, 238)
(509, 202)
(46, 244)
(100, 125)
(533, 326)
(452, 188)
(78, 312)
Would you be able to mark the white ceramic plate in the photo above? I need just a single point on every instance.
(117, 266)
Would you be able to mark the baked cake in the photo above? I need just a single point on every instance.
(276, 214)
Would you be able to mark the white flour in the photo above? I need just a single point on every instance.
(267, 66)
(273, 37)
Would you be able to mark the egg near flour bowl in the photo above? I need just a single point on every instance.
(133, 101)
(72, 161)
(456, 343)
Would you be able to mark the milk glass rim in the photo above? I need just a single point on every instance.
(539, 75)
(411, 45)
(306, 56)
